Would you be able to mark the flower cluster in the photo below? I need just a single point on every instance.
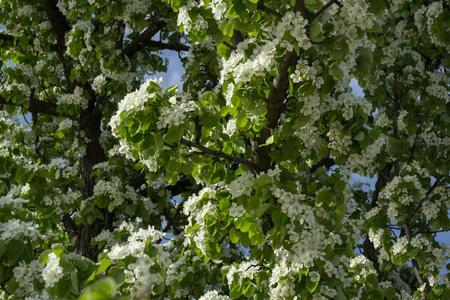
(366, 158)
(18, 229)
(236, 211)
(213, 295)
(52, 272)
(295, 25)
(172, 115)
(98, 83)
(139, 273)
(261, 60)
(241, 185)
(292, 204)
(338, 143)
(77, 98)
(218, 8)
(27, 277)
(304, 72)
(185, 20)
(308, 134)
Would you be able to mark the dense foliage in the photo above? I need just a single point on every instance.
(245, 181)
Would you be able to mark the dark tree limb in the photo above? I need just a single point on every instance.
(382, 180)
(144, 38)
(171, 221)
(61, 26)
(324, 8)
(70, 228)
(275, 107)
(231, 47)
(39, 106)
(414, 262)
(268, 10)
(7, 37)
(275, 104)
(326, 162)
(419, 205)
(166, 46)
(217, 153)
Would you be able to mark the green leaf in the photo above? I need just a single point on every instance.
(262, 209)
(103, 266)
(240, 7)
(310, 285)
(277, 217)
(337, 53)
(243, 27)
(325, 196)
(246, 223)
(313, 4)
(224, 205)
(359, 136)
(223, 51)
(177, 4)
(118, 274)
(336, 72)
(390, 293)
(377, 7)
(372, 282)
(44, 256)
(74, 281)
(262, 181)
(249, 290)
(245, 241)
(2, 248)
(340, 293)
(63, 288)
(14, 251)
(242, 121)
(234, 235)
(269, 141)
(208, 97)
(81, 265)
(315, 31)
(259, 124)
(257, 239)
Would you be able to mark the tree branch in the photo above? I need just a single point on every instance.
(275, 107)
(327, 162)
(6, 37)
(61, 27)
(167, 46)
(382, 180)
(38, 106)
(268, 10)
(324, 8)
(413, 147)
(218, 153)
(275, 104)
(414, 262)
(411, 215)
(143, 39)
(231, 47)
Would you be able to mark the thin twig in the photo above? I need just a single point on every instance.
(218, 153)
(411, 215)
(268, 10)
(324, 8)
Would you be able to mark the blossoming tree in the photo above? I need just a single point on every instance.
(242, 183)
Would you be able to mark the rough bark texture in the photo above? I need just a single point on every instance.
(383, 178)
(275, 105)
(89, 122)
